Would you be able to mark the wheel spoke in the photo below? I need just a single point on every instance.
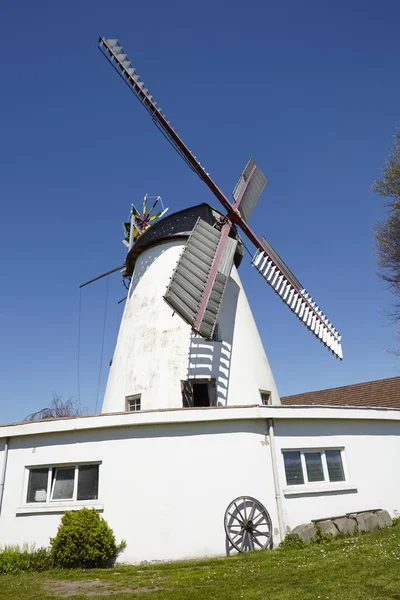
(239, 512)
(235, 517)
(251, 543)
(253, 509)
(257, 523)
(256, 532)
(256, 541)
(245, 540)
(236, 534)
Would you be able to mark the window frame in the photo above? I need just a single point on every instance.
(326, 483)
(51, 479)
(265, 393)
(187, 391)
(136, 399)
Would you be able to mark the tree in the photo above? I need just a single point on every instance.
(58, 408)
(387, 234)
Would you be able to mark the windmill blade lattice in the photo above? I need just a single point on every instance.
(248, 189)
(188, 285)
(276, 273)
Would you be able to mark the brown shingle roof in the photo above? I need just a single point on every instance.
(380, 393)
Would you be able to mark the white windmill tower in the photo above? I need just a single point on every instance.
(187, 336)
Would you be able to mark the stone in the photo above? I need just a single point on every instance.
(345, 525)
(384, 519)
(305, 532)
(371, 521)
(362, 523)
(327, 526)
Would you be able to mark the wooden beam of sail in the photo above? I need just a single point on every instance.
(275, 272)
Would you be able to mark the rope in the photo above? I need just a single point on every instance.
(79, 347)
(102, 346)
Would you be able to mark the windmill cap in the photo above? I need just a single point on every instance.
(178, 225)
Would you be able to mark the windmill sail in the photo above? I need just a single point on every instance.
(275, 272)
(185, 292)
(198, 283)
(248, 189)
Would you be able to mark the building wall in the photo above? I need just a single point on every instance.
(371, 452)
(164, 486)
(156, 350)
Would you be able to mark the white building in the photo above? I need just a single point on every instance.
(186, 427)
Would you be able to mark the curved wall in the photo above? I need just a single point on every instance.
(156, 349)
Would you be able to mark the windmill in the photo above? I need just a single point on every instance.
(198, 283)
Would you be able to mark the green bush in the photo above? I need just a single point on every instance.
(84, 540)
(296, 543)
(14, 559)
(292, 543)
(322, 538)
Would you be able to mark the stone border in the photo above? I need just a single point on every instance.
(348, 524)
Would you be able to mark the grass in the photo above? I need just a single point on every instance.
(363, 567)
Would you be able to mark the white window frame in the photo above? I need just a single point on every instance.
(51, 482)
(317, 486)
(265, 393)
(136, 399)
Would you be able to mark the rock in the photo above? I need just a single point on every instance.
(345, 525)
(362, 523)
(305, 532)
(384, 519)
(371, 521)
(326, 527)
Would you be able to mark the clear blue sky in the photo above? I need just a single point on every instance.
(311, 89)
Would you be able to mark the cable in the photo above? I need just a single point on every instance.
(79, 347)
(245, 247)
(102, 347)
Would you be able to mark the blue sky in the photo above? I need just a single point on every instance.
(310, 89)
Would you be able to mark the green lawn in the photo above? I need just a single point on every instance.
(364, 567)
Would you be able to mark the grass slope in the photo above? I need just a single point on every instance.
(363, 567)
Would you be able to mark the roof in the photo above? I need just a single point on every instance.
(381, 393)
(179, 416)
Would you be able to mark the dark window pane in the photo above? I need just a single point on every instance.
(314, 466)
(63, 486)
(293, 470)
(88, 482)
(335, 466)
(37, 485)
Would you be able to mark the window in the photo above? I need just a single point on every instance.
(265, 397)
(133, 403)
(198, 393)
(313, 466)
(60, 484)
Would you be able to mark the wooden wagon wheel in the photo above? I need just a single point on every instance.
(248, 525)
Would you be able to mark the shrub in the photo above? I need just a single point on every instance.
(292, 543)
(14, 559)
(322, 538)
(84, 540)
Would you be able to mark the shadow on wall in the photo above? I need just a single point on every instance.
(212, 359)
